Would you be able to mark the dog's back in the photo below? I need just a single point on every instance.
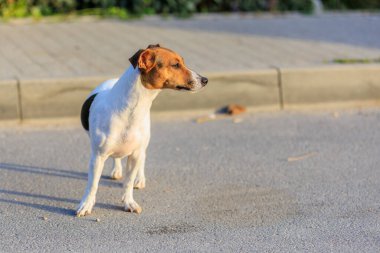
(85, 112)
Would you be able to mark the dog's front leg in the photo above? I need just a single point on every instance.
(135, 161)
(94, 174)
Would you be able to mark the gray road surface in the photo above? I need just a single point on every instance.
(213, 187)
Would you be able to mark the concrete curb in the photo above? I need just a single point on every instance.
(330, 84)
(55, 97)
(258, 88)
(276, 88)
(10, 108)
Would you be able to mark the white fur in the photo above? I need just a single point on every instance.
(107, 85)
(197, 81)
(119, 127)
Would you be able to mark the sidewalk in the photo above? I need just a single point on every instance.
(102, 48)
(93, 50)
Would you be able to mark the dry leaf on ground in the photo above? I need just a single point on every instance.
(301, 157)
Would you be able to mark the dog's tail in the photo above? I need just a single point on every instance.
(85, 112)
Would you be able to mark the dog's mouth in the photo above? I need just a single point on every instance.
(179, 87)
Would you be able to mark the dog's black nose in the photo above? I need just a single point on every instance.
(204, 81)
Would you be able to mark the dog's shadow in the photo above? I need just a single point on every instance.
(105, 180)
(48, 208)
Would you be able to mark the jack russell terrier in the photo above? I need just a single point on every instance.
(117, 117)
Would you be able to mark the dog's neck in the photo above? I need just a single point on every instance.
(130, 96)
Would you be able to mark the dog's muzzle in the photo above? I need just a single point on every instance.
(197, 82)
(204, 81)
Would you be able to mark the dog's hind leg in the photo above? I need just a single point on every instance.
(94, 174)
(117, 171)
(140, 178)
(135, 161)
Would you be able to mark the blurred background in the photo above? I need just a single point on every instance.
(270, 181)
(55, 52)
(183, 8)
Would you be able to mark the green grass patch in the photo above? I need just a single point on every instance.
(355, 60)
(36, 13)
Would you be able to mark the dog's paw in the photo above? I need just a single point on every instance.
(116, 174)
(139, 183)
(85, 208)
(132, 206)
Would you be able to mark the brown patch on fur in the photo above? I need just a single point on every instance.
(147, 60)
(162, 68)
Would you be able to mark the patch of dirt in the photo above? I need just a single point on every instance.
(246, 206)
(172, 229)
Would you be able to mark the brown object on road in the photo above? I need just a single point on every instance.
(232, 109)
(224, 112)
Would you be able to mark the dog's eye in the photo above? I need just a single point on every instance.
(176, 66)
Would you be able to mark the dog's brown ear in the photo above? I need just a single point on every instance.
(135, 58)
(153, 46)
(146, 60)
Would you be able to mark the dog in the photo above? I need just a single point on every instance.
(116, 116)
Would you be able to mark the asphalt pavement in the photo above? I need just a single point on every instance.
(268, 182)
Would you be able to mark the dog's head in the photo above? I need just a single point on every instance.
(161, 68)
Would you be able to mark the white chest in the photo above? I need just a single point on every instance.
(120, 116)
(127, 139)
